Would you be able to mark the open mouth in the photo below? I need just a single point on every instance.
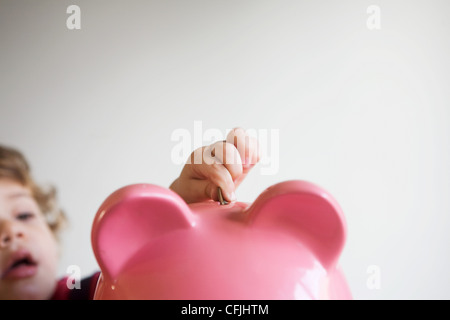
(22, 265)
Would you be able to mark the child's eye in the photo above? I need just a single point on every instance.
(23, 216)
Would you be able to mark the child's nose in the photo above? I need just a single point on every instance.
(8, 233)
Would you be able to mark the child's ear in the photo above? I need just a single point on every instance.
(131, 217)
(306, 211)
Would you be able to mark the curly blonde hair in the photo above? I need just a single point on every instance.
(13, 165)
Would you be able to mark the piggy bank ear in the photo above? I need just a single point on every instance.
(306, 211)
(132, 217)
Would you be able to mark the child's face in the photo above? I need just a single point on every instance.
(28, 249)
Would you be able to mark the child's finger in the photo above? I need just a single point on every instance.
(247, 147)
(218, 176)
(228, 155)
(212, 171)
(198, 190)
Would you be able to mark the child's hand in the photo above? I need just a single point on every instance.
(223, 164)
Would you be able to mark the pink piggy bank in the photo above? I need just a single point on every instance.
(151, 245)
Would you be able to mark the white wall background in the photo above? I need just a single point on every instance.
(363, 113)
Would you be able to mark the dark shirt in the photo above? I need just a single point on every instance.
(85, 292)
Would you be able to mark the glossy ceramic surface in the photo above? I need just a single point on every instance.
(151, 245)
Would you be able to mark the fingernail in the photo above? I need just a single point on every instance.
(233, 197)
